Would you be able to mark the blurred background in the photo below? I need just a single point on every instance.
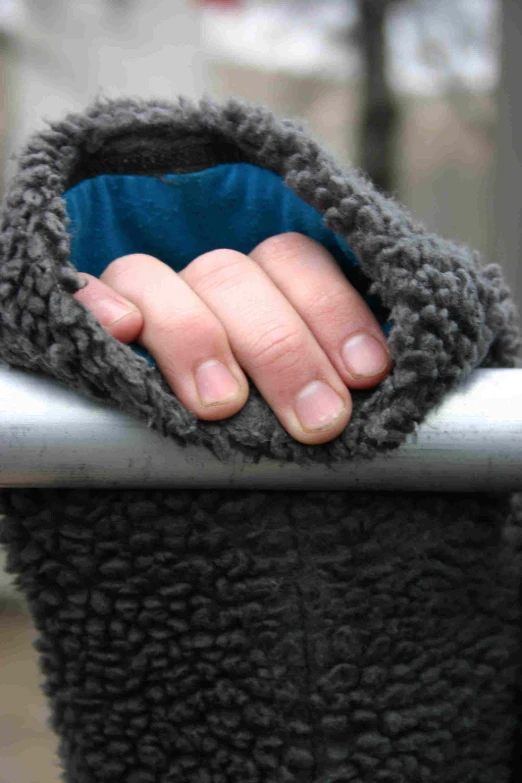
(422, 94)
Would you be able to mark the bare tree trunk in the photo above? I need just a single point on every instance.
(380, 112)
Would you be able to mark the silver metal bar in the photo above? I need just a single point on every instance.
(51, 436)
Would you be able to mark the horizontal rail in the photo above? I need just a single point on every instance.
(51, 436)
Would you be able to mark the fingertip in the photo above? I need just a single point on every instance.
(120, 317)
(223, 410)
(127, 327)
(367, 360)
(319, 403)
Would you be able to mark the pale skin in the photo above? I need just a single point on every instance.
(281, 314)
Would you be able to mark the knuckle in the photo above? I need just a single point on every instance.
(329, 308)
(215, 270)
(282, 244)
(192, 326)
(123, 263)
(278, 346)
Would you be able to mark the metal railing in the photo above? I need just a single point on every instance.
(51, 436)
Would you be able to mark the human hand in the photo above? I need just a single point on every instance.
(282, 313)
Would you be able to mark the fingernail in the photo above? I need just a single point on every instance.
(364, 356)
(215, 383)
(317, 406)
(108, 311)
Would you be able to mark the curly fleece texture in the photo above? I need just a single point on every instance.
(262, 637)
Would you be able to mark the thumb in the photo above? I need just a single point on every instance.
(121, 318)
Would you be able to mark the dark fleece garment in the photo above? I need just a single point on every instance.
(262, 637)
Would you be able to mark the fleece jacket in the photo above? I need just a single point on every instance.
(225, 636)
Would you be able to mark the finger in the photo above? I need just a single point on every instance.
(183, 335)
(120, 317)
(336, 314)
(273, 345)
